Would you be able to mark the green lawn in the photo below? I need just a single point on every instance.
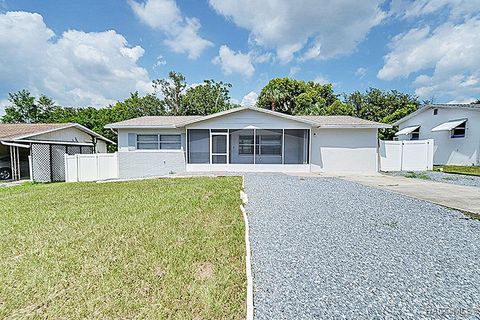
(473, 170)
(152, 249)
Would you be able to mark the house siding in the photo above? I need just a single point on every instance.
(68, 134)
(141, 164)
(101, 146)
(447, 150)
(344, 150)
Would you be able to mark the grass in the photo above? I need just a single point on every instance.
(469, 170)
(152, 249)
(417, 175)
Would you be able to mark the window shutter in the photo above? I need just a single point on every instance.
(132, 140)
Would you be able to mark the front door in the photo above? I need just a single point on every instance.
(219, 147)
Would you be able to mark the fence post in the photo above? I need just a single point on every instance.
(97, 161)
(401, 155)
(65, 160)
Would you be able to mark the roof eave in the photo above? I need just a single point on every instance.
(67, 125)
(354, 126)
(434, 106)
(170, 126)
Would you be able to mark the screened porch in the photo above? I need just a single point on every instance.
(248, 146)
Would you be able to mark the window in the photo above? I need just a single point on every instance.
(198, 145)
(435, 112)
(269, 144)
(147, 141)
(245, 144)
(296, 142)
(156, 142)
(170, 142)
(415, 134)
(459, 132)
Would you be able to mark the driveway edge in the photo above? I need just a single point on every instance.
(248, 262)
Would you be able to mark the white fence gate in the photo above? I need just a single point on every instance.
(91, 167)
(412, 155)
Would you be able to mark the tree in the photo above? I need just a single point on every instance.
(382, 106)
(172, 90)
(273, 96)
(25, 109)
(136, 106)
(388, 134)
(296, 97)
(206, 98)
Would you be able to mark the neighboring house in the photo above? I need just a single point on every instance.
(245, 139)
(455, 129)
(46, 144)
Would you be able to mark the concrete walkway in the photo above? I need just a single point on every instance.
(453, 196)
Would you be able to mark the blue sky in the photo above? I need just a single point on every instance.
(96, 52)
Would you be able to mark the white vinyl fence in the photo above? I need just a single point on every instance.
(412, 155)
(91, 167)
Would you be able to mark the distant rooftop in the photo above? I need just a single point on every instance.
(453, 105)
(17, 130)
(160, 121)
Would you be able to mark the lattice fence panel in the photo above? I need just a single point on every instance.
(71, 150)
(58, 162)
(87, 150)
(41, 163)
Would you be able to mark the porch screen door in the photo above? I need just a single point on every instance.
(219, 147)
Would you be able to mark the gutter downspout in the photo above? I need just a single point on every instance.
(12, 144)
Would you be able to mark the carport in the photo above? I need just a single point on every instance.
(37, 151)
(18, 156)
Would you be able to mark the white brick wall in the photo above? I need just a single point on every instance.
(142, 164)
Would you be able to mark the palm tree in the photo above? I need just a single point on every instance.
(274, 97)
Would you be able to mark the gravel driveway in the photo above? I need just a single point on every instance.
(329, 248)
(459, 179)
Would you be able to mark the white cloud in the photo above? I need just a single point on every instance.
(361, 72)
(412, 9)
(450, 50)
(3, 103)
(77, 69)
(321, 80)
(182, 32)
(250, 99)
(469, 100)
(293, 71)
(234, 62)
(160, 62)
(334, 27)
(261, 57)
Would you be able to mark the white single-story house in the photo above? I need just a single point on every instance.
(45, 144)
(245, 139)
(455, 129)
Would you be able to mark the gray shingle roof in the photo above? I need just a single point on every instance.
(156, 121)
(17, 130)
(455, 105)
(339, 120)
(178, 121)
